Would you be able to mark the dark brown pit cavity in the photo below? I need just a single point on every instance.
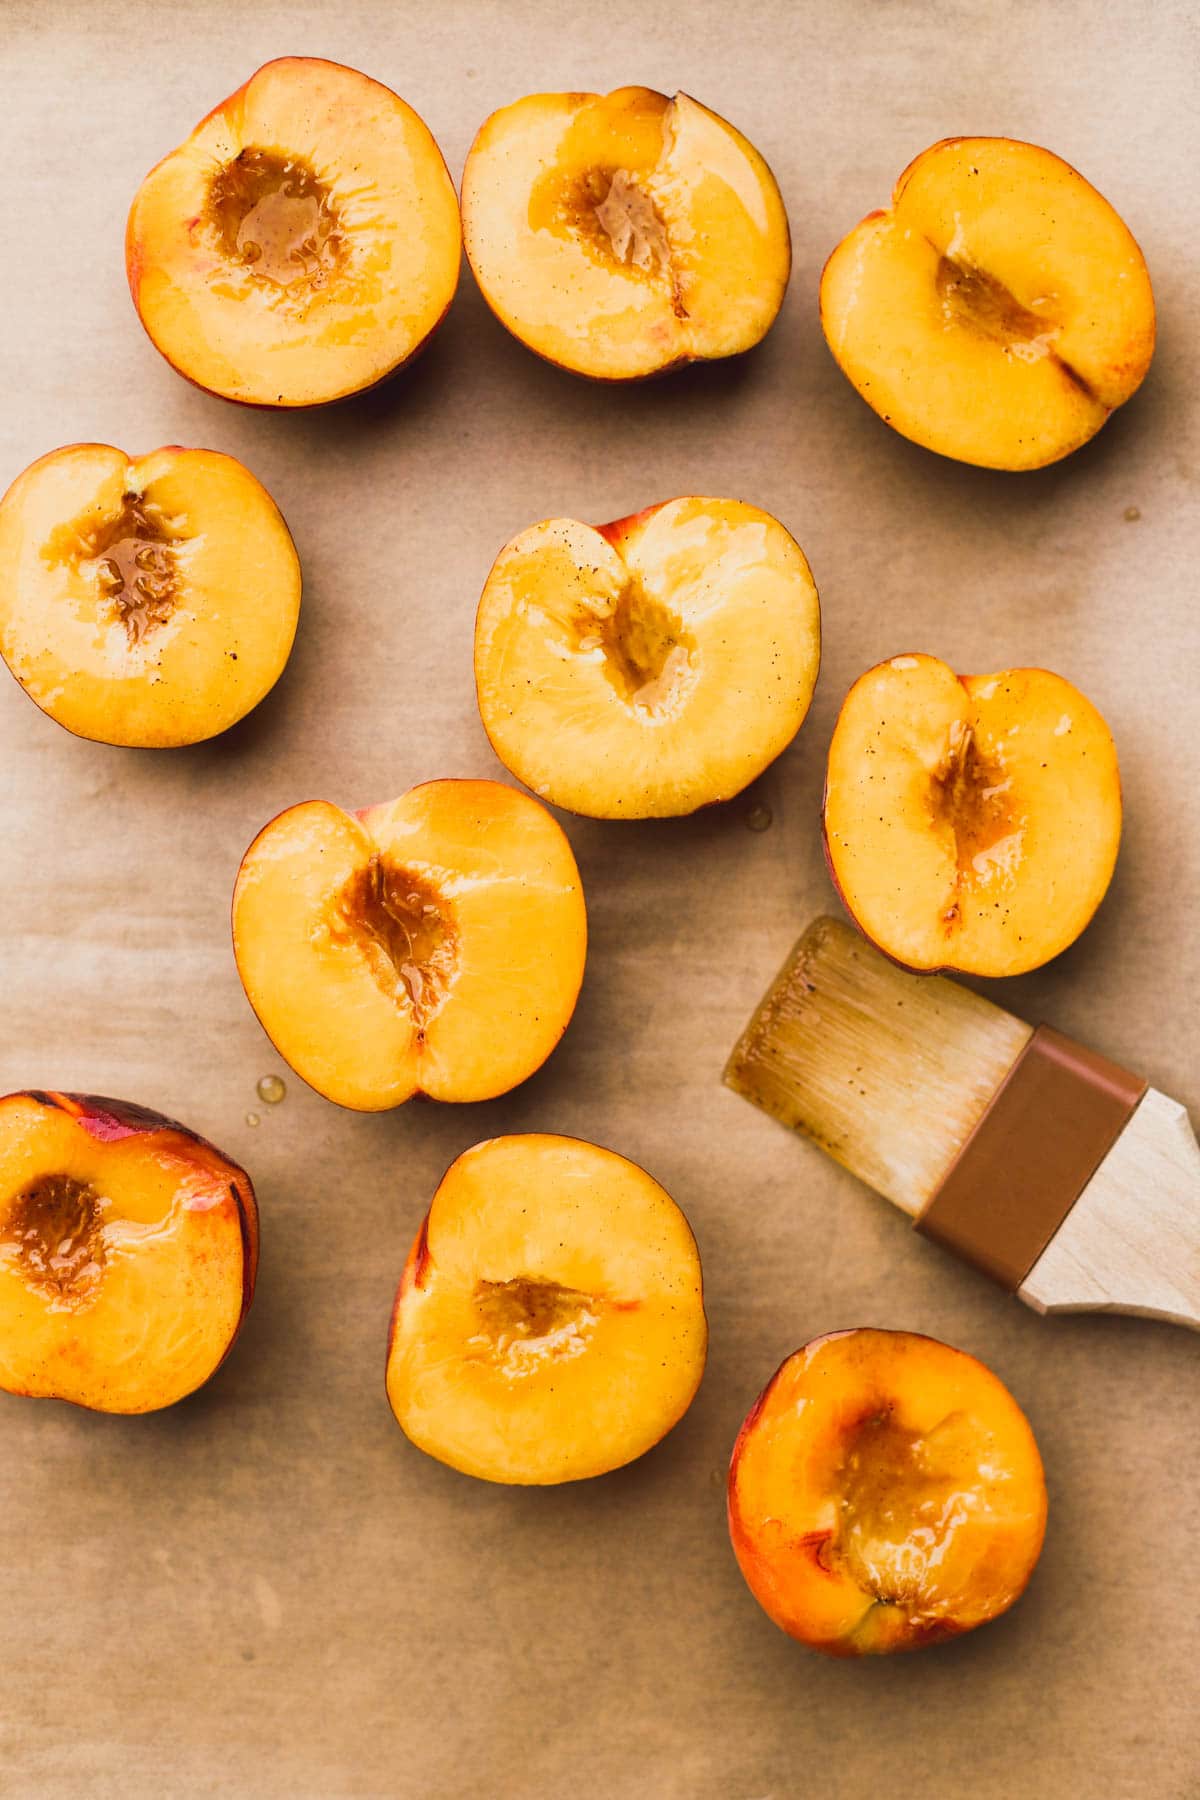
(136, 567)
(54, 1233)
(526, 1323)
(970, 296)
(647, 652)
(898, 1504)
(407, 930)
(971, 794)
(275, 218)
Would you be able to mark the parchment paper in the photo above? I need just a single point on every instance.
(267, 1591)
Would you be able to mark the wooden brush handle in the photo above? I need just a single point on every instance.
(1040, 1139)
(1131, 1242)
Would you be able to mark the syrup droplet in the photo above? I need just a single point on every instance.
(1133, 513)
(271, 1089)
(759, 817)
(252, 1118)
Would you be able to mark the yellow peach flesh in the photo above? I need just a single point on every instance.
(125, 1265)
(550, 1324)
(622, 234)
(301, 244)
(649, 667)
(998, 311)
(971, 823)
(433, 945)
(885, 1492)
(146, 601)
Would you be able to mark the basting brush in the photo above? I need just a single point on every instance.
(1061, 1175)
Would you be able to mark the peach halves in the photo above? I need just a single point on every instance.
(885, 1492)
(301, 244)
(432, 945)
(549, 1323)
(623, 234)
(128, 1253)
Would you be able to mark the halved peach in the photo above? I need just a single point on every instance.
(301, 244)
(147, 600)
(128, 1253)
(998, 311)
(971, 822)
(885, 1493)
(549, 1323)
(623, 234)
(651, 666)
(432, 945)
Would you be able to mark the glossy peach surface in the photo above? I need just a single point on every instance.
(998, 311)
(971, 822)
(623, 234)
(885, 1492)
(432, 945)
(549, 1323)
(128, 1253)
(150, 600)
(302, 243)
(651, 666)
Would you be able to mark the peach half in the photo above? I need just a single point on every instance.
(434, 945)
(128, 1252)
(885, 1493)
(149, 600)
(549, 1323)
(648, 667)
(971, 822)
(997, 312)
(623, 234)
(303, 242)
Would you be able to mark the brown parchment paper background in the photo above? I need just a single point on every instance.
(266, 1591)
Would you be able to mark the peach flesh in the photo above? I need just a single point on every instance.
(147, 601)
(997, 312)
(649, 666)
(434, 944)
(549, 1321)
(301, 243)
(885, 1493)
(971, 822)
(128, 1253)
(623, 235)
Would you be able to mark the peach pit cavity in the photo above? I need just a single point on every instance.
(276, 219)
(900, 1505)
(134, 558)
(407, 931)
(970, 794)
(647, 652)
(528, 1323)
(54, 1234)
(971, 296)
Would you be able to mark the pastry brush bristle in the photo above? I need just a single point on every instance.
(887, 1071)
